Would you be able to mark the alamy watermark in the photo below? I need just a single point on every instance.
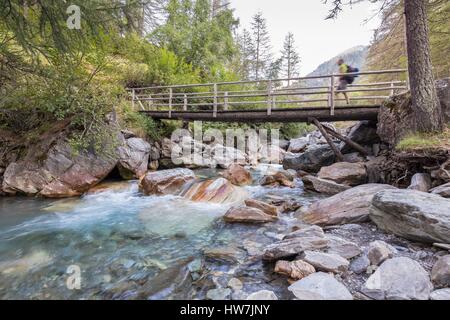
(214, 147)
(74, 19)
(73, 281)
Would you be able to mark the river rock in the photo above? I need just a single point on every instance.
(443, 191)
(218, 190)
(169, 181)
(298, 145)
(57, 171)
(263, 295)
(271, 154)
(279, 178)
(399, 279)
(440, 294)
(296, 270)
(247, 215)
(238, 175)
(218, 294)
(310, 238)
(350, 174)
(440, 274)
(420, 182)
(326, 261)
(320, 286)
(413, 215)
(346, 207)
(226, 156)
(322, 185)
(316, 157)
(379, 251)
(360, 264)
(133, 158)
(342, 247)
(224, 254)
(265, 207)
(293, 246)
(306, 232)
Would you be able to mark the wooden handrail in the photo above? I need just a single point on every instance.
(215, 97)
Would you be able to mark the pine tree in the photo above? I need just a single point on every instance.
(290, 58)
(262, 53)
(247, 52)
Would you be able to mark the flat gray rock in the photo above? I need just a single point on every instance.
(414, 215)
(326, 261)
(441, 294)
(399, 279)
(320, 286)
(342, 247)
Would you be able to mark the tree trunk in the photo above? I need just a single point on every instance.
(428, 116)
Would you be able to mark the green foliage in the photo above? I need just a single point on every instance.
(425, 141)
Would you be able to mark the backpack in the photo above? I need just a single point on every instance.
(351, 78)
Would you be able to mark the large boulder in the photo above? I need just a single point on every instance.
(420, 182)
(399, 279)
(346, 207)
(165, 182)
(133, 158)
(247, 215)
(298, 145)
(364, 133)
(238, 175)
(443, 191)
(351, 174)
(316, 157)
(218, 190)
(440, 274)
(414, 215)
(53, 169)
(323, 186)
(320, 286)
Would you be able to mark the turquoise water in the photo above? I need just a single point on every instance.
(119, 239)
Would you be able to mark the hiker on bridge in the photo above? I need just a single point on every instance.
(344, 81)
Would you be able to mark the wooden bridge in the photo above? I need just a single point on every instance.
(276, 100)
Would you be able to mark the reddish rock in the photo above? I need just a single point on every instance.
(238, 175)
(166, 181)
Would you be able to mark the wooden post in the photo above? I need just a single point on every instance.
(150, 102)
(336, 151)
(392, 90)
(225, 101)
(215, 101)
(170, 102)
(269, 98)
(185, 103)
(332, 93)
(133, 95)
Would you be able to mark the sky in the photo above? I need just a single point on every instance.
(317, 39)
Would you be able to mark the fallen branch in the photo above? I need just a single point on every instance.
(330, 142)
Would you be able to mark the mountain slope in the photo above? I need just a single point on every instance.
(356, 57)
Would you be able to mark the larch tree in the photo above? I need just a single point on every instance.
(290, 58)
(428, 115)
(262, 52)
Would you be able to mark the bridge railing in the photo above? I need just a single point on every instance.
(315, 91)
